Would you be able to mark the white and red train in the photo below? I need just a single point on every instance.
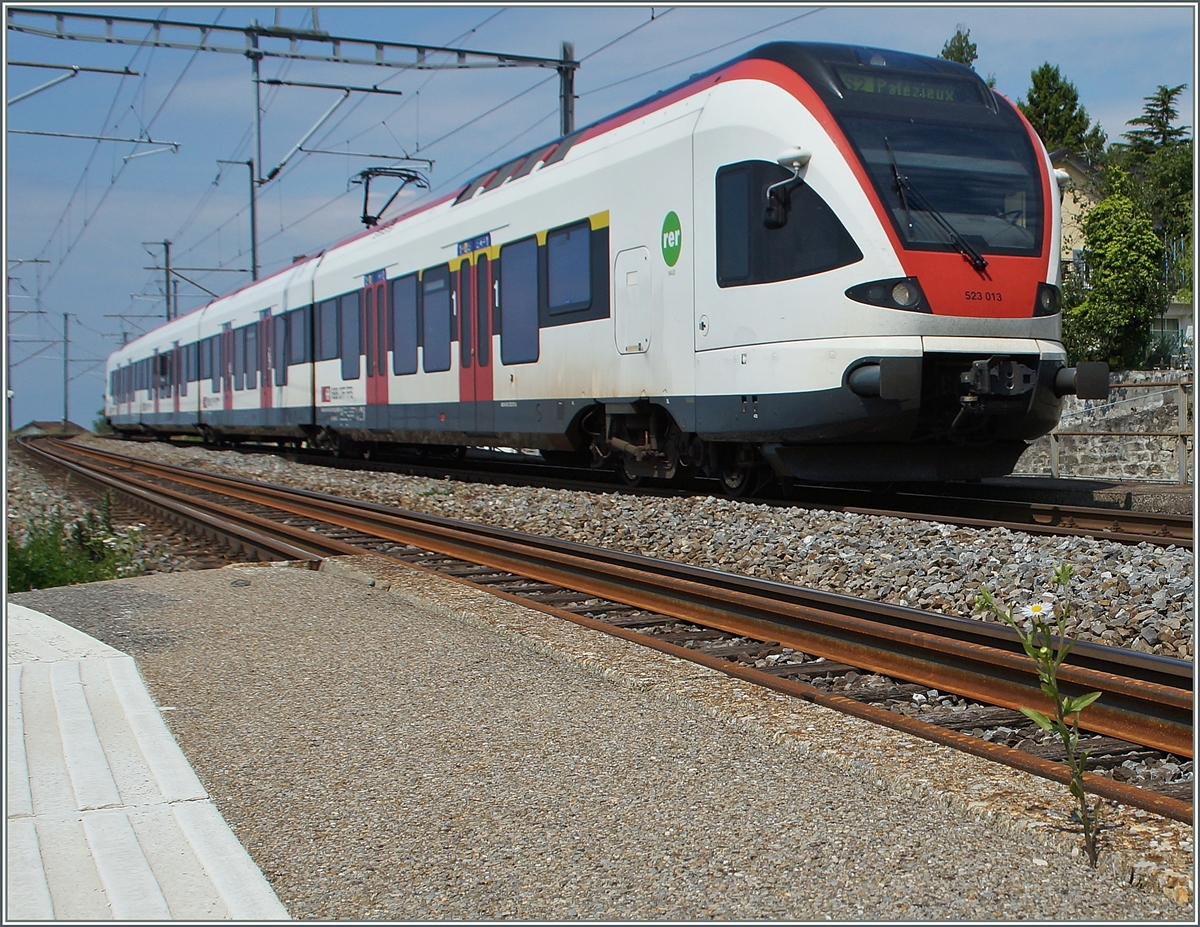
(841, 261)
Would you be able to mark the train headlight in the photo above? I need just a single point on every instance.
(897, 293)
(1048, 300)
(904, 295)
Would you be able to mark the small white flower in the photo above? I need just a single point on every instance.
(1037, 610)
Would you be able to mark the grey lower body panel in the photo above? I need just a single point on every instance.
(883, 463)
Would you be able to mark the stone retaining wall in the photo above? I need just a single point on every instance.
(1139, 402)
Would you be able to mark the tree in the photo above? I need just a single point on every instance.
(1052, 108)
(961, 49)
(1156, 160)
(1125, 283)
(1157, 116)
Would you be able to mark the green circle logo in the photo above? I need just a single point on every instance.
(672, 239)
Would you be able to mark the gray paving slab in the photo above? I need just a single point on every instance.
(106, 818)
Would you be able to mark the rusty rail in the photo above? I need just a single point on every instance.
(977, 660)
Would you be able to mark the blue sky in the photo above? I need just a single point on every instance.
(85, 211)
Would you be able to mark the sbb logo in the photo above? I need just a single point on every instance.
(324, 394)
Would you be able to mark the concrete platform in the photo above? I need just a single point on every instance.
(106, 819)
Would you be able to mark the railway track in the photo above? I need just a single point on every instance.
(976, 511)
(824, 648)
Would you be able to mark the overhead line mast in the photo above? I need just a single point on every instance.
(257, 42)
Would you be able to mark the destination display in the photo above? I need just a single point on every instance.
(908, 86)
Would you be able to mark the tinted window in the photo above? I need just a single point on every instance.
(349, 341)
(435, 318)
(252, 357)
(298, 335)
(462, 304)
(985, 181)
(404, 336)
(327, 330)
(218, 365)
(568, 257)
(813, 239)
(205, 358)
(368, 303)
(519, 302)
(733, 225)
(279, 325)
(239, 358)
(483, 299)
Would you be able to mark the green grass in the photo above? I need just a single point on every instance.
(54, 553)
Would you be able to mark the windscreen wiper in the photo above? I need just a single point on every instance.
(905, 188)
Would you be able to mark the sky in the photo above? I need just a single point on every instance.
(85, 222)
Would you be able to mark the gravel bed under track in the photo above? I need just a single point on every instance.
(1140, 597)
(418, 750)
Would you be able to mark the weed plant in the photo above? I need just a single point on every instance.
(1048, 650)
(55, 553)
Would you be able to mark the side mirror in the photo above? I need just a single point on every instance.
(794, 158)
(775, 215)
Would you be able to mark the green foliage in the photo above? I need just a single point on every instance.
(1125, 284)
(1052, 108)
(1048, 650)
(1156, 162)
(1157, 120)
(54, 553)
(961, 49)
(100, 424)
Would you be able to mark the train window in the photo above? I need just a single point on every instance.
(327, 330)
(348, 335)
(812, 241)
(163, 378)
(404, 335)
(252, 356)
(297, 326)
(206, 363)
(519, 302)
(279, 325)
(733, 225)
(436, 319)
(483, 297)
(462, 309)
(218, 366)
(368, 325)
(239, 358)
(568, 266)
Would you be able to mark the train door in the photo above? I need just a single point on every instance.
(473, 302)
(176, 375)
(482, 315)
(156, 380)
(227, 367)
(375, 346)
(266, 359)
(632, 301)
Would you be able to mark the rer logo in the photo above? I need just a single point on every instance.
(672, 239)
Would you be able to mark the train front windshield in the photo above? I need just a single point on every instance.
(935, 150)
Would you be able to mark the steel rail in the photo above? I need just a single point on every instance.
(1111, 789)
(262, 537)
(1059, 520)
(1151, 713)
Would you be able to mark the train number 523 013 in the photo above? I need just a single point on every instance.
(984, 296)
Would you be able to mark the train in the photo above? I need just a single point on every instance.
(820, 262)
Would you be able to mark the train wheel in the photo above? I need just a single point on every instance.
(738, 480)
(631, 479)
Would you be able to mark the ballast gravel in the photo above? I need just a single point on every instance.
(418, 750)
(1139, 597)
